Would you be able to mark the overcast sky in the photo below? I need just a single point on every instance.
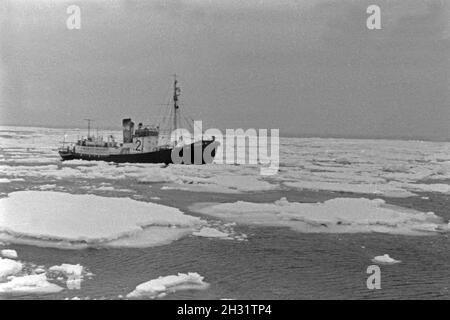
(309, 68)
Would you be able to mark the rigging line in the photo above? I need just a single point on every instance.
(188, 123)
(167, 112)
(194, 122)
(162, 107)
(170, 122)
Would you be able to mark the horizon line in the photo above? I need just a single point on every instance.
(282, 134)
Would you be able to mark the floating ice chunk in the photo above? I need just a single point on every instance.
(105, 188)
(208, 232)
(39, 270)
(73, 283)
(57, 219)
(8, 253)
(9, 267)
(159, 287)
(339, 215)
(30, 284)
(385, 259)
(282, 202)
(125, 190)
(73, 272)
(69, 269)
(47, 186)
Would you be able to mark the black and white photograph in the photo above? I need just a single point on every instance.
(224, 151)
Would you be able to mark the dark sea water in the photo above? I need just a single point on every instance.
(275, 263)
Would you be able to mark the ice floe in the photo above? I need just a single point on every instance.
(73, 272)
(39, 270)
(106, 188)
(208, 232)
(9, 267)
(69, 269)
(338, 215)
(47, 187)
(8, 253)
(57, 219)
(220, 230)
(29, 284)
(23, 278)
(161, 286)
(385, 259)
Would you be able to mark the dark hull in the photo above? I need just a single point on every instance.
(186, 155)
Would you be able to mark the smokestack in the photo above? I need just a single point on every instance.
(128, 129)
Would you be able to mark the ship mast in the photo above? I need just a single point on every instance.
(89, 126)
(176, 94)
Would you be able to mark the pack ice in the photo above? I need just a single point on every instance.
(60, 219)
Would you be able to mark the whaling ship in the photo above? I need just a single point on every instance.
(143, 144)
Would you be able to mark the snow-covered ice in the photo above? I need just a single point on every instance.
(9, 267)
(386, 168)
(73, 272)
(389, 168)
(159, 287)
(47, 186)
(388, 189)
(338, 215)
(21, 278)
(29, 284)
(59, 219)
(385, 259)
(39, 270)
(8, 253)
(208, 232)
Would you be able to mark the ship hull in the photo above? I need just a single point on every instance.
(159, 156)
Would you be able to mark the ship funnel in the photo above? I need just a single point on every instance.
(128, 129)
